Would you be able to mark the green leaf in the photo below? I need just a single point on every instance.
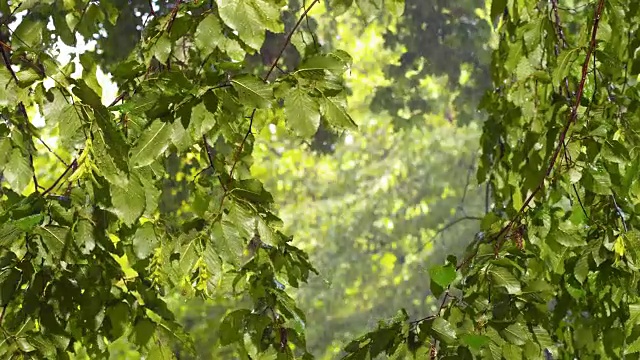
(511, 352)
(227, 241)
(9, 281)
(395, 8)
(634, 314)
(564, 66)
(444, 330)
(597, 179)
(569, 238)
(5, 151)
(339, 7)
(581, 270)
(202, 120)
(18, 171)
(443, 275)
(475, 342)
(162, 48)
(334, 111)
(62, 29)
(497, 8)
(250, 18)
(28, 223)
(632, 246)
(319, 63)
(208, 35)
(143, 331)
(128, 202)
(253, 92)
(232, 327)
(634, 347)
(83, 236)
(543, 338)
(28, 34)
(516, 334)
(302, 112)
(55, 240)
(369, 8)
(66, 117)
(153, 142)
(502, 277)
(118, 318)
(144, 241)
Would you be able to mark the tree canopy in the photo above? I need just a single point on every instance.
(244, 152)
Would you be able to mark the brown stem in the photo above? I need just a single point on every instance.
(69, 168)
(288, 39)
(265, 78)
(573, 116)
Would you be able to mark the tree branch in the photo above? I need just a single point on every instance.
(71, 166)
(265, 78)
(573, 116)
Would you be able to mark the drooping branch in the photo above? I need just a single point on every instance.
(71, 168)
(560, 33)
(573, 116)
(570, 119)
(266, 77)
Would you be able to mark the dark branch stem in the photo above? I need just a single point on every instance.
(454, 222)
(209, 151)
(620, 213)
(288, 39)
(151, 8)
(244, 140)
(573, 116)
(265, 78)
(69, 168)
(174, 13)
(51, 151)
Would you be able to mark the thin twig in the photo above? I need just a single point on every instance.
(619, 211)
(117, 99)
(4, 310)
(466, 186)
(570, 120)
(558, 24)
(454, 222)
(208, 150)
(560, 33)
(71, 166)
(174, 13)
(35, 178)
(288, 39)
(51, 151)
(151, 8)
(246, 135)
(265, 78)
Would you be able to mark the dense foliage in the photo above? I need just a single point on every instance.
(554, 272)
(92, 240)
(115, 208)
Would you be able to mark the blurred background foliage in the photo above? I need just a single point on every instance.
(375, 207)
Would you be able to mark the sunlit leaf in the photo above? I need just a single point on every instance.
(444, 330)
(302, 112)
(505, 279)
(153, 142)
(253, 91)
(18, 171)
(443, 275)
(250, 18)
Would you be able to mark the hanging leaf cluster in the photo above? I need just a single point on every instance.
(93, 233)
(554, 272)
